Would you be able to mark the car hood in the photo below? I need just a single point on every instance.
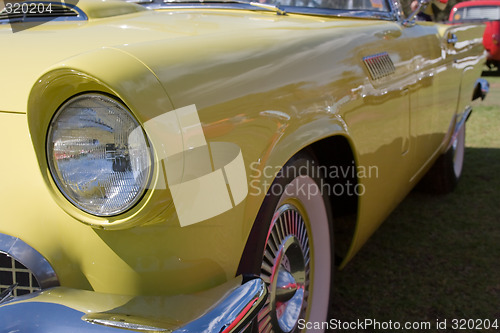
(31, 52)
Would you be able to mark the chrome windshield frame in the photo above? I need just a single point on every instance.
(393, 14)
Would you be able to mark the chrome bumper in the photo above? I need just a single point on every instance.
(64, 310)
(458, 126)
(481, 89)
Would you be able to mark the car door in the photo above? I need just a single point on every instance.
(380, 127)
(440, 65)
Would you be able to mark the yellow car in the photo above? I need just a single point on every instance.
(205, 166)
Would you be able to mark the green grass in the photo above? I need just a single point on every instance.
(436, 257)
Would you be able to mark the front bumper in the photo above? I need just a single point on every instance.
(231, 307)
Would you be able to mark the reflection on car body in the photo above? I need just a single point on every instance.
(206, 166)
(487, 11)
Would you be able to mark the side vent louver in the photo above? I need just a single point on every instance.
(379, 65)
(40, 10)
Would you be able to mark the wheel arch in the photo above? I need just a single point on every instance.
(337, 156)
(334, 154)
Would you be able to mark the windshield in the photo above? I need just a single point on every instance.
(372, 5)
(477, 13)
(350, 5)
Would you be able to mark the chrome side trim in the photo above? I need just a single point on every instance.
(481, 89)
(32, 259)
(458, 126)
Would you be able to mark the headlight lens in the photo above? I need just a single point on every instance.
(98, 155)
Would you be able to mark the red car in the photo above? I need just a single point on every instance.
(489, 12)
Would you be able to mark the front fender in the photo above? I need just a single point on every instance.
(99, 71)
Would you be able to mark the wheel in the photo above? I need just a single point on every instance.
(295, 257)
(443, 177)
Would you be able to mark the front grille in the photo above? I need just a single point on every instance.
(12, 272)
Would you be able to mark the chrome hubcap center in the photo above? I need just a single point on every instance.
(285, 286)
(288, 284)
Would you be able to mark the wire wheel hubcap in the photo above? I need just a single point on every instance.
(285, 267)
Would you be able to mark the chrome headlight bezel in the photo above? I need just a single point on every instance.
(133, 132)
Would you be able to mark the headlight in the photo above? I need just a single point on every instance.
(98, 155)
